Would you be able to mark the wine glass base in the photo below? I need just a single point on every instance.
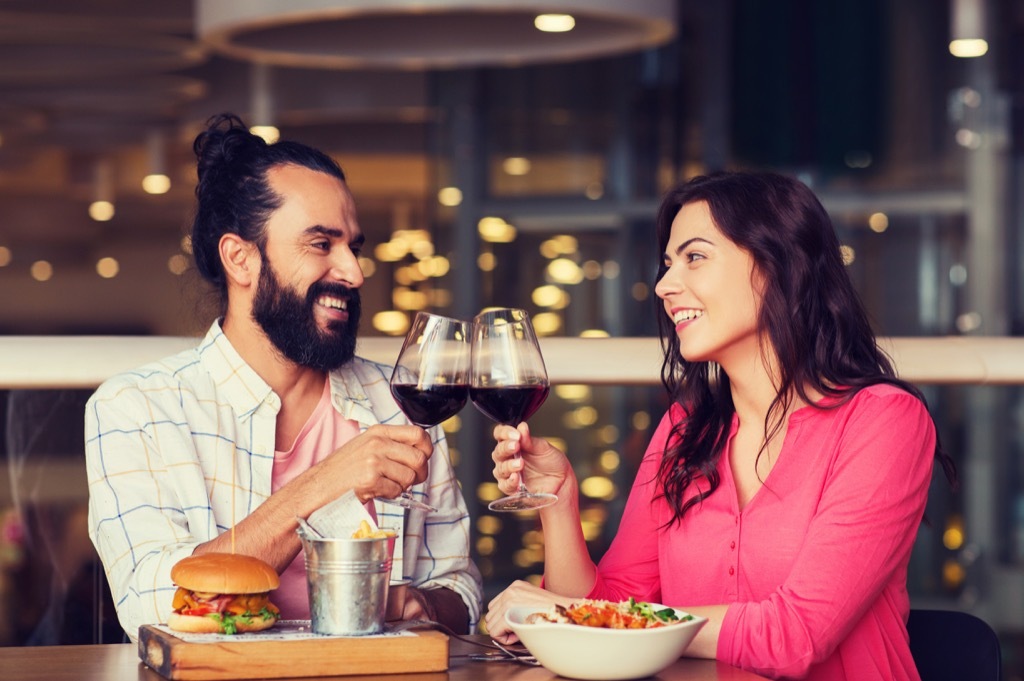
(524, 501)
(407, 502)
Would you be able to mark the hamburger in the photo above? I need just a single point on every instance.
(223, 593)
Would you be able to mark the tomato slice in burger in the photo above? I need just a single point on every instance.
(199, 610)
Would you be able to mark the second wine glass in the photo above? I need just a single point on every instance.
(430, 381)
(509, 383)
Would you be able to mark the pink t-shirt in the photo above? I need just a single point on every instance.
(324, 432)
(814, 567)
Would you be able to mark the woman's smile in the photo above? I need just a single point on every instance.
(683, 316)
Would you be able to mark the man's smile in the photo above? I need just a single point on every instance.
(332, 302)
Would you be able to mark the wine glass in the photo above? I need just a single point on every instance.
(509, 383)
(430, 381)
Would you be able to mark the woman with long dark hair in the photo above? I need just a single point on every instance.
(781, 494)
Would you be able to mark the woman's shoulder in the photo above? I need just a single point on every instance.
(879, 412)
(885, 396)
(880, 406)
(845, 398)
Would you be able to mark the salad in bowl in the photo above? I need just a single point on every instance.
(605, 640)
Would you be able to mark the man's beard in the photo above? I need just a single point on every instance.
(290, 323)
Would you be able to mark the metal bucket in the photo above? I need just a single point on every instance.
(348, 583)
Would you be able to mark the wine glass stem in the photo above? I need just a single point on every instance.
(522, 491)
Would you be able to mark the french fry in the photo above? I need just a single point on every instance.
(367, 532)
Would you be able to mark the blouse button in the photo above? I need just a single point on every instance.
(732, 571)
(732, 544)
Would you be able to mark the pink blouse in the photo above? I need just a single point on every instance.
(814, 567)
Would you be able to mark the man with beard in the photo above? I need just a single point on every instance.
(221, 447)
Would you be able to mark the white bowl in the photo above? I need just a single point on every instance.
(602, 654)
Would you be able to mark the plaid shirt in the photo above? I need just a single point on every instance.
(179, 449)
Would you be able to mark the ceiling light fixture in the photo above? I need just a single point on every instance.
(102, 207)
(423, 34)
(262, 105)
(554, 23)
(967, 27)
(157, 181)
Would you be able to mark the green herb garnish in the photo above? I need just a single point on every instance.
(647, 610)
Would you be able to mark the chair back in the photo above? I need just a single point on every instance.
(948, 645)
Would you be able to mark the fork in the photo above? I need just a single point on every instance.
(525, 658)
(508, 653)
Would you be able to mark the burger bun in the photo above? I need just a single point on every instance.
(193, 624)
(225, 573)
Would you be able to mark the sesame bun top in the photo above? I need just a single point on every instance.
(225, 573)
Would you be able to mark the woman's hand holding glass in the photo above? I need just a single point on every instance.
(520, 458)
(509, 383)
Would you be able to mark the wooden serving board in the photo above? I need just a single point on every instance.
(257, 658)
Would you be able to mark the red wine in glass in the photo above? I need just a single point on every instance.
(510, 405)
(427, 407)
(430, 382)
(509, 383)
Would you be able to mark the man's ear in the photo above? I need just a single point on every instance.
(240, 258)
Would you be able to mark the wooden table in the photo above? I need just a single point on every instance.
(120, 662)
